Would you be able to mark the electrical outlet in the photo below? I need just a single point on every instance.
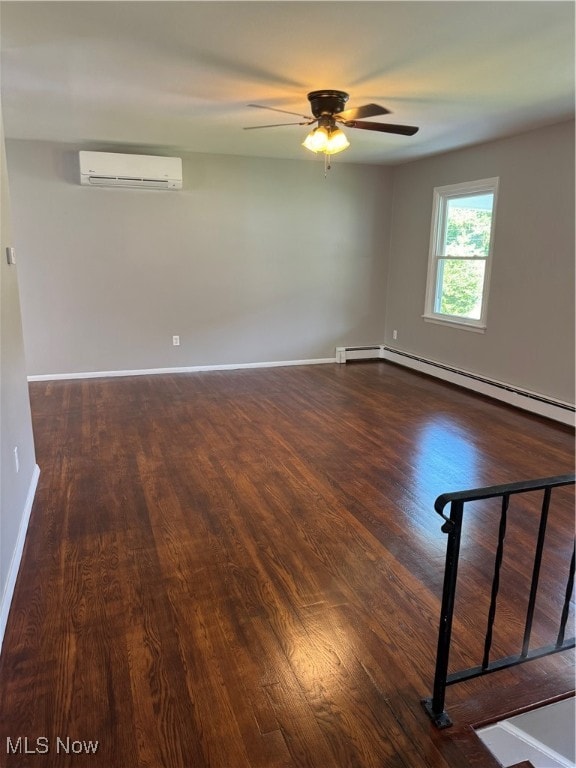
(176, 341)
(394, 335)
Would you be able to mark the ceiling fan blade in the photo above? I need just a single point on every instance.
(405, 130)
(275, 109)
(368, 110)
(274, 125)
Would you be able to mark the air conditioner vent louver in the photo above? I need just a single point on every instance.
(128, 181)
(111, 169)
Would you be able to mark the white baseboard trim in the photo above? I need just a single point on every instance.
(17, 554)
(185, 369)
(506, 393)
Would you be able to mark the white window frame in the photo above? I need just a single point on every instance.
(439, 209)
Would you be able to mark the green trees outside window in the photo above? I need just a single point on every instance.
(467, 244)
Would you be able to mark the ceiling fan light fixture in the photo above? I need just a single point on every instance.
(326, 139)
(317, 140)
(337, 142)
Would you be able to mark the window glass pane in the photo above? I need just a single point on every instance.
(459, 288)
(468, 224)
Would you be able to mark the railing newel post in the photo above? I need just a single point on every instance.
(453, 527)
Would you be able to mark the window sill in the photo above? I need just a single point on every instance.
(460, 324)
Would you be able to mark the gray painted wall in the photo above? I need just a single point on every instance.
(255, 260)
(15, 420)
(265, 260)
(529, 340)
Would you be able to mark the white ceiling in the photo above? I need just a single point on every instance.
(179, 75)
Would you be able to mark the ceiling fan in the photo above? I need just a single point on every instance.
(328, 111)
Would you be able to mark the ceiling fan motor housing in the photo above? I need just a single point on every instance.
(327, 102)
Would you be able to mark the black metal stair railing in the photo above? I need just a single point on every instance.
(453, 527)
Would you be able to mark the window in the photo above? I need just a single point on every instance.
(461, 253)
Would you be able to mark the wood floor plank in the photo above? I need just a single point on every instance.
(243, 569)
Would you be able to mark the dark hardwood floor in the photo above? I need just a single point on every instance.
(243, 570)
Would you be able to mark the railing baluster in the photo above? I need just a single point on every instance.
(495, 580)
(536, 572)
(566, 606)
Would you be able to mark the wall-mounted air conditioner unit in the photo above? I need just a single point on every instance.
(111, 169)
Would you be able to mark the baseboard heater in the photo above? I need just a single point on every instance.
(344, 354)
(491, 382)
(520, 398)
